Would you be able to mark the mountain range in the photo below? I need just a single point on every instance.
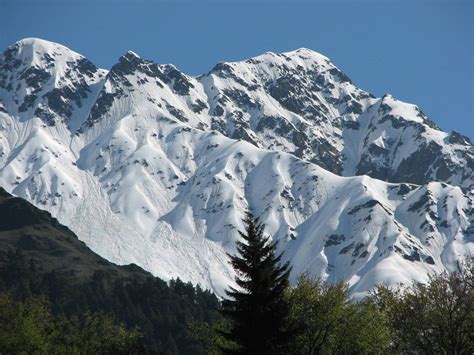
(148, 165)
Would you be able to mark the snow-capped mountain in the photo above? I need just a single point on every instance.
(149, 165)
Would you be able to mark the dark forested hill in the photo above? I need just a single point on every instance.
(39, 256)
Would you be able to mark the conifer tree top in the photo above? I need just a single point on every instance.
(257, 310)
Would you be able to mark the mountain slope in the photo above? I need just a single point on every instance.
(43, 241)
(39, 256)
(156, 168)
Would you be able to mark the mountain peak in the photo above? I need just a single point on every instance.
(129, 56)
(296, 59)
(45, 79)
(127, 64)
(38, 52)
(35, 42)
(307, 52)
(38, 46)
(300, 54)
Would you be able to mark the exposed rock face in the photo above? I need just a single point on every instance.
(46, 80)
(399, 150)
(162, 165)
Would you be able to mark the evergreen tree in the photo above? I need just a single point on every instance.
(258, 310)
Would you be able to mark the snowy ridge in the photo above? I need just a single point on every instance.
(151, 166)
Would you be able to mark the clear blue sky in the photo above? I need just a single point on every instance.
(420, 51)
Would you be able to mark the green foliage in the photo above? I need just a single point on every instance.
(258, 310)
(160, 311)
(29, 327)
(95, 333)
(328, 322)
(363, 329)
(436, 317)
(315, 309)
(210, 335)
(25, 327)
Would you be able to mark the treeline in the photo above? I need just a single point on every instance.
(29, 327)
(152, 313)
(432, 318)
(58, 296)
(267, 316)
